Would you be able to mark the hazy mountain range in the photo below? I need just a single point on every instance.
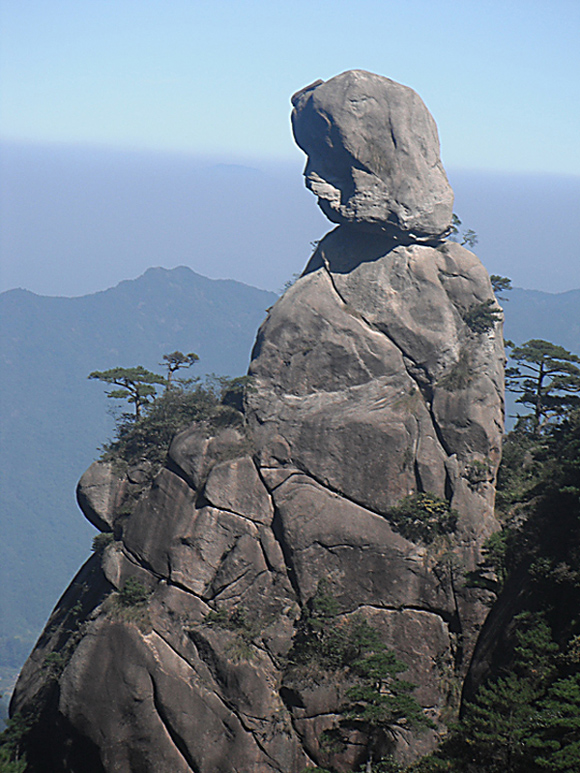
(54, 419)
(80, 218)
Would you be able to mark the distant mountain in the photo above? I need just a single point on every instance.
(534, 314)
(122, 211)
(53, 420)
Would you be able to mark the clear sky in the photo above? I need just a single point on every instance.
(501, 77)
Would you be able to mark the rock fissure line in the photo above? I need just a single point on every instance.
(207, 502)
(238, 578)
(211, 665)
(336, 492)
(172, 466)
(134, 559)
(259, 474)
(240, 717)
(175, 737)
(319, 714)
(425, 389)
(269, 566)
(271, 489)
(264, 650)
(176, 584)
(279, 536)
(179, 654)
(427, 397)
(446, 617)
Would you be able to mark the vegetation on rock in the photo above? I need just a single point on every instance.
(143, 439)
(422, 517)
(246, 630)
(12, 745)
(500, 284)
(467, 237)
(481, 317)
(525, 718)
(176, 361)
(349, 651)
(136, 385)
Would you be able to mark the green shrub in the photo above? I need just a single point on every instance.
(131, 604)
(422, 517)
(147, 438)
(481, 317)
(477, 472)
(459, 376)
(12, 744)
(133, 594)
(349, 650)
(101, 541)
(54, 663)
(246, 631)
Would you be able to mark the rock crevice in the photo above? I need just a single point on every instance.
(369, 389)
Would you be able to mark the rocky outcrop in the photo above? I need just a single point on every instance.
(373, 155)
(377, 377)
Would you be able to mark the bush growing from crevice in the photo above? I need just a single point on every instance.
(526, 717)
(133, 594)
(348, 650)
(131, 604)
(422, 517)
(54, 663)
(13, 744)
(459, 376)
(143, 443)
(102, 541)
(482, 317)
(478, 472)
(246, 629)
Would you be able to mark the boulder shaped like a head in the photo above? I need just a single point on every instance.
(373, 156)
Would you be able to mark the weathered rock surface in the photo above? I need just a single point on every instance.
(373, 155)
(369, 385)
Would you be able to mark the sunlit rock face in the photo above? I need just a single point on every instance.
(370, 383)
(373, 156)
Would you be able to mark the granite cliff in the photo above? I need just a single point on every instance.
(360, 470)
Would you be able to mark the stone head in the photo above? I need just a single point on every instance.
(373, 156)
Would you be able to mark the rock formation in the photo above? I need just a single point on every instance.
(373, 156)
(377, 379)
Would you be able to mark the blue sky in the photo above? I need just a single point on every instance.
(215, 77)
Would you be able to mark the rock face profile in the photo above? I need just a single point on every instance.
(220, 625)
(373, 155)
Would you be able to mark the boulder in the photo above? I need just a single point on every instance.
(373, 155)
(99, 494)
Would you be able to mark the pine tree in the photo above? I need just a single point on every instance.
(136, 385)
(546, 378)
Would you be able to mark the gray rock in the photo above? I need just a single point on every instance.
(235, 485)
(326, 537)
(99, 494)
(194, 452)
(373, 155)
(106, 496)
(368, 385)
(368, 372)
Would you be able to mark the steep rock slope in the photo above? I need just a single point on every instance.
(373, 380)
(48, 346)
